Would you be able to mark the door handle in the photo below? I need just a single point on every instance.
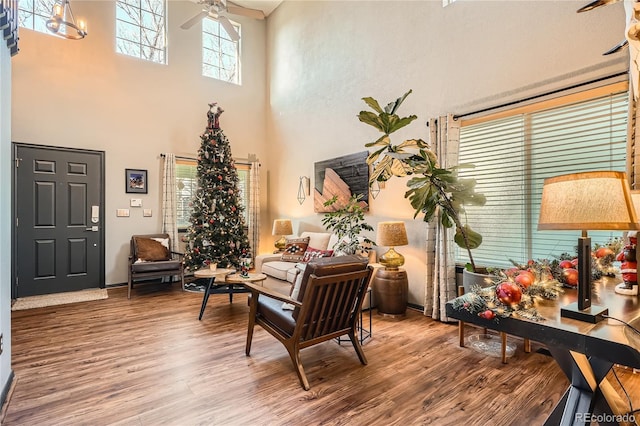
(92, 228)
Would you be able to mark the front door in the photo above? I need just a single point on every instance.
(59, 209)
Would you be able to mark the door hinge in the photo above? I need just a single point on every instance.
(17, 220)
(18, 160)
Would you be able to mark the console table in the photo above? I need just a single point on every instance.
(585, 352)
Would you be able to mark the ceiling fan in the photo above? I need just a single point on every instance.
(216, 9)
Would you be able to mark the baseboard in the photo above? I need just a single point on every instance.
(5, 396)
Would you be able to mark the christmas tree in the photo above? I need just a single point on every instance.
(217, 232)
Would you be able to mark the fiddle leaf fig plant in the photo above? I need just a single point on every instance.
(431, 188)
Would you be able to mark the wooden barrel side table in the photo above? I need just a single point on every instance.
(391, 292)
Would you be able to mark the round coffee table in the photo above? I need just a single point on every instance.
(211, 274)
(228, 281)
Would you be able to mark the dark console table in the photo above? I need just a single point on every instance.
(585, 352)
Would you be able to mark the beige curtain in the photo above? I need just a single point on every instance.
(169, 200)
(254, 208)
(441, 272)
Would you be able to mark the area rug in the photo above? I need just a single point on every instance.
(41, 301)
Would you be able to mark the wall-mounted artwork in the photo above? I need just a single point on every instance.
(342, 176)
(136, 181)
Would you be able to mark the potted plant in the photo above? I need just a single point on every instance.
(347, 223)
(431, 187)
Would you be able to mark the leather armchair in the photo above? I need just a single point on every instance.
(167, 263)
(327, 306)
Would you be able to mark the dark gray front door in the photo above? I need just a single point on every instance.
(59, 234)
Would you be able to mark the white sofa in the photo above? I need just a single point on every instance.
(282, 274)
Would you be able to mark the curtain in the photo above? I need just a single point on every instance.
(169, 200)
(254, 208)
(441, 269)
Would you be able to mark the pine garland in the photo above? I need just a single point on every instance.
(217, 232)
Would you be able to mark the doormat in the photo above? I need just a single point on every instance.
(32, 302)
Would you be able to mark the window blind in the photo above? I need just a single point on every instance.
(513, 156)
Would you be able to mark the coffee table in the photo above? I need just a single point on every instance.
(229, 282)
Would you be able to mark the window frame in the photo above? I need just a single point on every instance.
(241, 168)
(138, 22)
(532, 143)
(34, 17)
(218, 39)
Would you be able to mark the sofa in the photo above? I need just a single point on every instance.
(281, 273)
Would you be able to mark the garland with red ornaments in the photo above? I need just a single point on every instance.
(514, 292)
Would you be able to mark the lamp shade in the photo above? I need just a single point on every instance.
(587, 201)
(282, 227)
(391, 234)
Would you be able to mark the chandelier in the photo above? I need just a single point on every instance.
(63, 24)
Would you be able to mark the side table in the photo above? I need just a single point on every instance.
(391, 292)
(363, 333)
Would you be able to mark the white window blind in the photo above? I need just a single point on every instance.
(513, 156)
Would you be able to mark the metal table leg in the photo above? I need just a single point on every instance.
(205, 299)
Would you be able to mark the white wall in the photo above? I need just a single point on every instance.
(325, 56)
(82, 94)
(5, 215)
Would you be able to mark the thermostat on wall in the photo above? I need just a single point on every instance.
(136, 202)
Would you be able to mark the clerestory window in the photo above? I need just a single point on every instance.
(141, 29)
(220, 54)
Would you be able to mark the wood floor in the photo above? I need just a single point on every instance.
(149, 361)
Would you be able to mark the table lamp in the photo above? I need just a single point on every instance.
(391, 234)
(587, 201)
(283, 228)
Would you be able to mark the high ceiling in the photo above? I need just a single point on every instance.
(267, 6)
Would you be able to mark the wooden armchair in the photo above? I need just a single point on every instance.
(328, 304)
(151, 256)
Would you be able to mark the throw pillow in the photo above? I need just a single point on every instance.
(151, 250)
(294, 249)
(312, 253)
(163, 241)
(295, 290)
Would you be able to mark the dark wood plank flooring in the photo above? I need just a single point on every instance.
(149, 361)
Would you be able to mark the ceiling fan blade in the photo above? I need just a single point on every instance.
(245, 11)
(191, 22)
(618, 47)
(596, 3)
(228, 26)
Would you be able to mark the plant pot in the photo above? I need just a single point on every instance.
(473, 279)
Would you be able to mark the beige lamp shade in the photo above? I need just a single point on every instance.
(588, 201)
(282, 227)
(391, 234)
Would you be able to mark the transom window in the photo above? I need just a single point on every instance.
(141, 29)
(513, 155)
(220, 54)
(33, 14)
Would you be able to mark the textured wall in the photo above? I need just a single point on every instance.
(325, 56)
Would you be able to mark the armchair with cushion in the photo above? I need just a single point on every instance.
(327, 306)
(151, 257)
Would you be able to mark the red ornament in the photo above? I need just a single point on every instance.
(219, 177)
(488, 314)
(566, 264)
(570, 277)
(525, 278)
(604, 251)
(509, 293)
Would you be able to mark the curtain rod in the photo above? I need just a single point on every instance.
(244, 163)
(530, 98)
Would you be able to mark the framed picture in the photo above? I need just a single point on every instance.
(136, 181)
(343, 177)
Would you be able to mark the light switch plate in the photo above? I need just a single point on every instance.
(146, 212)
(122, 212)
(136, 202)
